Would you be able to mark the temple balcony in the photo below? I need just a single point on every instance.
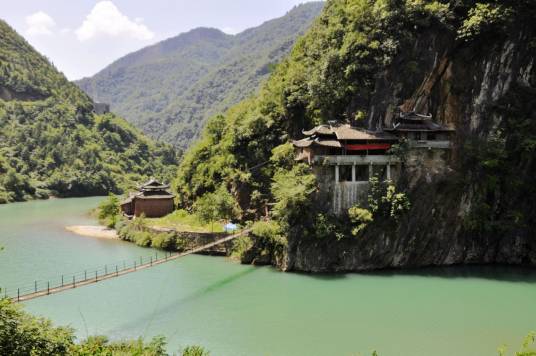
(356, 160)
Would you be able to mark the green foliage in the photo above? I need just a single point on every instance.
(269, 233)
(241, 246)
(51, 143)
(360, 217)
(109, 211)
(219, 205)
(283, 156)
(101, 346)
(194, 351)
(22, 334)
(385, 201)
(328, 227)
(482, 18)
(171, 89)
(292, 191)
(137, 231)
(181, 220)
(527, 347)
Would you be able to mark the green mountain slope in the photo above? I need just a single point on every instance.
(50, 140)
(468, 63)
(171, 88)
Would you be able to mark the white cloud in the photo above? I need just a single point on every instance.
(39, 23)
(106, 19)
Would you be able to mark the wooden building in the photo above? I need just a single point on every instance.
(345, 158)
(421, 129)
(153, 199)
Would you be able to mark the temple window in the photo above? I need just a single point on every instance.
(345, 173)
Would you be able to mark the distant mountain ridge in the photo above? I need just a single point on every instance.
(171, 88)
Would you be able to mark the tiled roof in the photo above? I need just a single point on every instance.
(306, 142)
(347, 132)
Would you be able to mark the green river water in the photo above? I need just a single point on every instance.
(242, 310)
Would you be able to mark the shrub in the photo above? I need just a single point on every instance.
(360, 217)
(269, 233)
(327, 226)
(194, 351)
(241, 245)
(109, 211)
(166, 241)
(482, 18)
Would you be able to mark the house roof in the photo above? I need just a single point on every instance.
(155, 197)
(153, 184)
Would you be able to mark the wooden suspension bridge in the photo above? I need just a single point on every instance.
(102, 274)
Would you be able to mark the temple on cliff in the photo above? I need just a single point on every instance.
(344, 158)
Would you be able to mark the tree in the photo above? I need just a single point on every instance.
(292, 190)
(218, 205)
(109, 211)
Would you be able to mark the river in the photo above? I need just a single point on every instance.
(233, 309)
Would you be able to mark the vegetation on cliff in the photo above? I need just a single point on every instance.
(51, 143)
(337, 61)
(336, 72)
(171, 88)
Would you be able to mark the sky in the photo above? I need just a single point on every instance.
(82, 37)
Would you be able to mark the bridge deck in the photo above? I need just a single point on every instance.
(117, 272)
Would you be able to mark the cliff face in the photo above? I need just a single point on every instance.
(480, 209)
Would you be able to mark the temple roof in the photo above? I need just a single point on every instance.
(347, 132)
(412, 121)
(306, 142)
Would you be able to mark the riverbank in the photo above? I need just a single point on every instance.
(100, 232)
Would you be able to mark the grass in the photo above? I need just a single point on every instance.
(181, 220)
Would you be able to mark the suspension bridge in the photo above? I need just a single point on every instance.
(84, 278)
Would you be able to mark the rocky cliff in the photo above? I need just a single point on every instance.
(481, 209)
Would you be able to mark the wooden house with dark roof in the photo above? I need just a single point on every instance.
(153, 200)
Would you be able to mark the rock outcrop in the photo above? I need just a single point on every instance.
(468, 213)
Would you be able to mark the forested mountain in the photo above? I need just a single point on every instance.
(470, 64)
(169, 89)
(51, 142)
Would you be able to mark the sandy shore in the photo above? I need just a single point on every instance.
(100, 232)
